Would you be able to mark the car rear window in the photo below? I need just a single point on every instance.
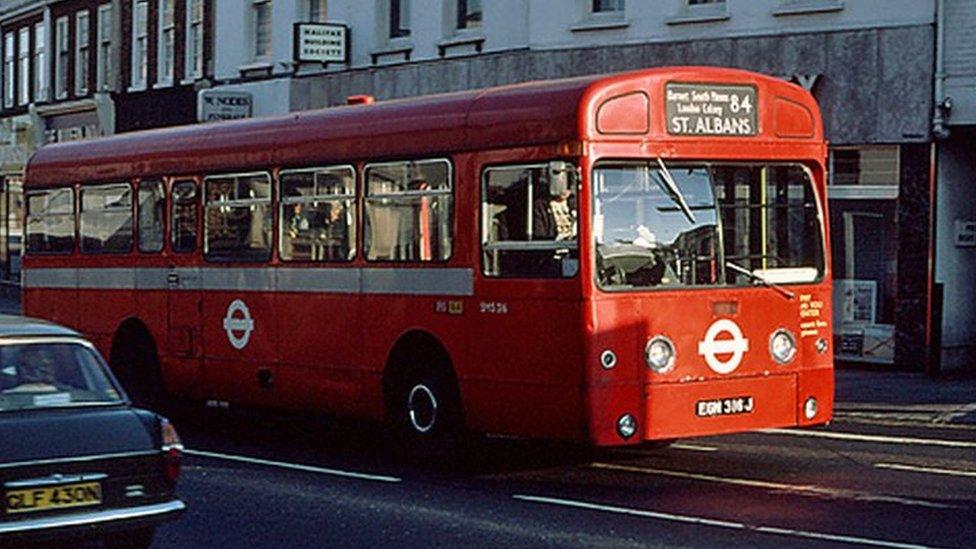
(53, 375)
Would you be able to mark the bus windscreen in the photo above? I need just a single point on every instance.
(682, 224)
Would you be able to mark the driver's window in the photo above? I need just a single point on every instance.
(529, 221)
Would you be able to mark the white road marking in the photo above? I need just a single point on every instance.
(932, 470)
(961, 411)
(716, 523)
(799, 489)
(872, 438)
(693, 447)
(292, 466)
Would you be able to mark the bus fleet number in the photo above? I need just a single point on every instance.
(494, 307)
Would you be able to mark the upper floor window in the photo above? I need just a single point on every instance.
(237, 222)
(697, 2)
(194, 39)
(104, 65)
(62, 55)
(314, 11)
(318, 214)
(9, 85)
(105, 222)
(167, 41)
(23, 61)
(140, 44)
(51, 221)
(604, 6)
(81, 52)
(399, 18)
(409, 211)
(469, 14)
(40, 62)
(261, 19)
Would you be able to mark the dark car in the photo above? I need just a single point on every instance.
(77, 460)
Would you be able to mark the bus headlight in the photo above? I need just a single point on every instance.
(659, 354)
(782, 346)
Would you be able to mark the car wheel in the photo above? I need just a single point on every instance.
(133, 539)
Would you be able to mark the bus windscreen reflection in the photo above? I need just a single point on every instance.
(762, 217)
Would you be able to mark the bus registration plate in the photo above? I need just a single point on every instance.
(54, 497)
(725, 406)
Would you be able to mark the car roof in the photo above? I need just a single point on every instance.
(22, 326)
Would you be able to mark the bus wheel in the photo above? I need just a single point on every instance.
(426, 412)
(135, 363)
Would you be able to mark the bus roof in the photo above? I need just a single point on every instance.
(532, 113)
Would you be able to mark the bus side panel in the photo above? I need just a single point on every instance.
(103, 311)
(244, 373)
(320, 351)
(56, 305)
(528, 382)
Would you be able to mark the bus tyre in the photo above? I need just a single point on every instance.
(136, 365)
(427, 414)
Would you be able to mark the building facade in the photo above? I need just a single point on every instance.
(954, 288)
(870, 64)
(80, 69)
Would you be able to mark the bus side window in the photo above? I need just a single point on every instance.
(51, 221)
(318, 214)
(152, 207)
(184, 221)
(409, 211)
(106, 218)
(237, 217)
(529, 224)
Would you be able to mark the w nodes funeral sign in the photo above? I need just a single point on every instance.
(711, 109)
(321, 43)
(214, 105)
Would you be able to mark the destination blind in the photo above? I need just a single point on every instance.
(711, 109)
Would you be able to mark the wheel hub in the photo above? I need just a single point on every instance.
(422, 408)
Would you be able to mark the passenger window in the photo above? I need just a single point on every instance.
(238, 217)
(184, 220)
(318, 214)
(529, 221)
(152, 207)
(106, 219)
(51, 221)
(409, 211)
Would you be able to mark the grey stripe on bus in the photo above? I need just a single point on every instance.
(420, 281)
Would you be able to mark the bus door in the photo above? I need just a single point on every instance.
(184, 284)
(527, 299)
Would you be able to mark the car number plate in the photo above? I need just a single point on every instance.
(725, 406)
(53, 497)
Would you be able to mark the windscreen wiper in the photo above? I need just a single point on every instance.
(674, 191)
(761, 279)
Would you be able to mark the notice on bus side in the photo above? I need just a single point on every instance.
(711, 109)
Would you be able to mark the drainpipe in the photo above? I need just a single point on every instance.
(942, 104)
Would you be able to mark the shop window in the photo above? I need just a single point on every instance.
(106, 219)
(409, 211)
(863, 195)
(152, 211)
(184, 217)
(51, 221)
(318, 214)
(529, 222)
(238, 217)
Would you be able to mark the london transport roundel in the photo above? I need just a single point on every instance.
(238, 324)
(723, 339)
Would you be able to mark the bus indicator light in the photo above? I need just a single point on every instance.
(608, 359)
(659, 354)
(626, 426)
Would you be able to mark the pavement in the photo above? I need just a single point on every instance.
(864, 396)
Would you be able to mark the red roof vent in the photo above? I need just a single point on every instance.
(360, 100)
